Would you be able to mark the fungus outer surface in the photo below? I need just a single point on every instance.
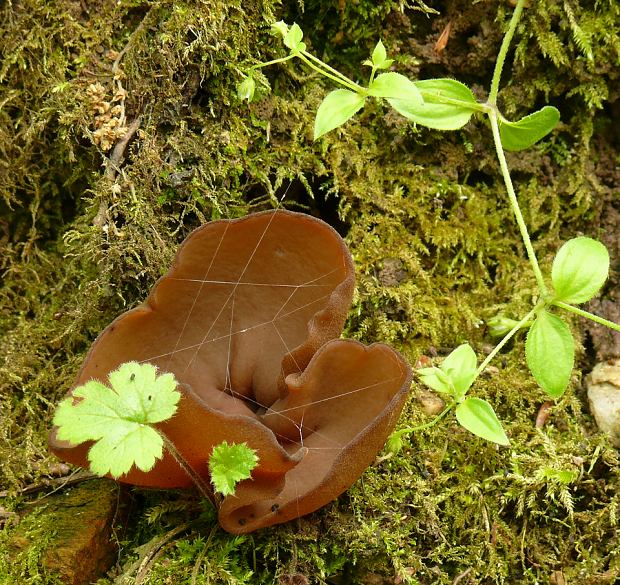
(247, 320)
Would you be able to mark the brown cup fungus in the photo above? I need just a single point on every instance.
(247, 320)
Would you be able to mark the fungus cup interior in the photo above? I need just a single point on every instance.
(247, 319)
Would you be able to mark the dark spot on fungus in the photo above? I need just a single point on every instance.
(248, 320)
(132, 378)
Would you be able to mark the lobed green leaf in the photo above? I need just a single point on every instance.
(528, 130)
(478, 417)
(550, 353)
(117, 418)
(230, 464)
(580, 269)
(338, 106)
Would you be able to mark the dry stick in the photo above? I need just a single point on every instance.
(201, 556)
(113, 166)
(56, 482)
(203, 487)
(155, 549)
(462, 575)
(113, 163)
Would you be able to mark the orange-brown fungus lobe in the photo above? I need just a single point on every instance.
(247, 320)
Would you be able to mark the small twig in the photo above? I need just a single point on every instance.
(154, 551)
(201, 556)
(462, 575)
(112, 165)
(57, 482)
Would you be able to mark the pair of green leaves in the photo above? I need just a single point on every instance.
(118, 419)
(422, 102)
(579, 270)
(454, 377)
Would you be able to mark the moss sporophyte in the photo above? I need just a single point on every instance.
(580, 267)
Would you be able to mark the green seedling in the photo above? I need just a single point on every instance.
(579, 269)
(120, 418)
(230, 464)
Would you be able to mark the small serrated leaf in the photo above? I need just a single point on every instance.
(478, 417)
(433, 113)
(338, 106)
(528, 130)
(580, 269)
(550, 353)
(117, 418)
(230, 464)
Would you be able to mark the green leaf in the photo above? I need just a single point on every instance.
(479, 418)
(117, 418)
(245, 90)
(436, 379)
(434, 113)
(455, 375)
(378, 59)
(550, 353)
(528, 130)
(460, 366)
(394, 85)
(229, 464)
(338, 106)
(280, 28)
(580, 269)
(379, 54)
(293, 39)
(500, 325)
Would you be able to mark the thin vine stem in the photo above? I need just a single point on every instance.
(272, 62)
(507, 338)
(503, 51)
(342, 76)
(515, 205)
(203, 487)
(429, 424)
(348, 83)
(582, 313)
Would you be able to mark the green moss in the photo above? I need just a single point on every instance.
(435, 246)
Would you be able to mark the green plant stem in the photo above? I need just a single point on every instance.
(503, 51)
(587, 315)
(203, 487)
(342, 76)
(431, 423)
(515, 205)
(507, 338)
(339, 79)
(273, 62)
